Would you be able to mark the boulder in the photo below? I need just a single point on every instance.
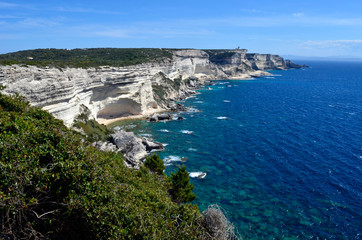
(160, 117)
(131, 146)
(152, 145)
(153, 118)
(178, 108)
(164, 116)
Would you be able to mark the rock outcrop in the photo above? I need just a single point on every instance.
(131, 146)
(266, 61)
(111, 92)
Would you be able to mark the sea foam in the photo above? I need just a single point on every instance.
(197, 174)
(186, 131)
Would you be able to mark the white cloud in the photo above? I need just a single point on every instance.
(115, 33)
(8, 36)
(332, 43)
(8, 5)
(251, 11)
(299, 14)
(143, 32)
(39, 22)
(86, 10)
(8, 16)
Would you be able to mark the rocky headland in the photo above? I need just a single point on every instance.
(109, 93)
(138, 90)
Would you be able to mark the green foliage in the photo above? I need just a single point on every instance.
(155, 164)
(90, 128)
(85, 58)
(181, 187)
(53, 185)
(93, 130)
(160, 91)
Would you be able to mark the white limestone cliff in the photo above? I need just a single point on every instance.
(110, 92)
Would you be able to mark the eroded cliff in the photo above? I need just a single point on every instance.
(111, 92)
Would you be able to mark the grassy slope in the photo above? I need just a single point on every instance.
(53, 185)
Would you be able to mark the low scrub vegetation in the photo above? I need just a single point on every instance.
(85, 58)
(54, 185)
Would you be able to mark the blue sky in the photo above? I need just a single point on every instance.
(304, 28)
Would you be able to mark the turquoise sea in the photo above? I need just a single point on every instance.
(283, 154)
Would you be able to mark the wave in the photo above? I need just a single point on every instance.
(193, 110)
(226, 101)
(147, 135)
(117, 128)
(197, 174)
(192, 149)
(186, 131)
(164, 130)
(222, 117)
(172, 158)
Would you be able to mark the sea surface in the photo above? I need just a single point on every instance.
(282, 154)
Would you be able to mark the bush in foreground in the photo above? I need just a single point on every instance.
(55, 186)
(217, 224)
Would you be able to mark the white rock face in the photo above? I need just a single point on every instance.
(266, 61)
(111, 92)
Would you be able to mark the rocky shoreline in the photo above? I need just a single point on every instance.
(173, 107)
(133, 91)
(147, 90)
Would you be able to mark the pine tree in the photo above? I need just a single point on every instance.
(155, 164)
(181, 191)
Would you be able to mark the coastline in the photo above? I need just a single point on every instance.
(108, 121)
(244, 76)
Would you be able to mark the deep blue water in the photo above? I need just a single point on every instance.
(286, 162)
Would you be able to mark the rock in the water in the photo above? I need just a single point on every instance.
(178, 108)
(130, 145)
(180, 118)
(152, 145)
(153, 118)
(160, 117)
(164, 116)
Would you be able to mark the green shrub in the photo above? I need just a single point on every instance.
(155, 164)
(181, 187)
(53, 185)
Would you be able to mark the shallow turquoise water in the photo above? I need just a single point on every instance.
(282, 154)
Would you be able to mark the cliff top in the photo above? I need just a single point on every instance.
(95, 57)
(115, 57)
(85, 57)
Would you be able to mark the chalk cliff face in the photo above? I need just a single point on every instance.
(266, 61)
(111, 92)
